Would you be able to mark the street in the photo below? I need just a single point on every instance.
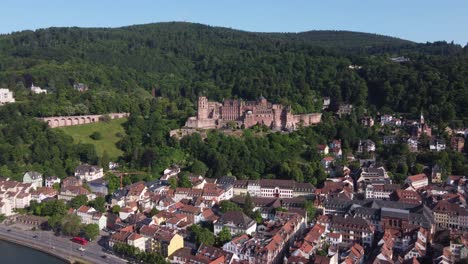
(62, 245)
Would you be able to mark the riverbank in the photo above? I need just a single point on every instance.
(64, 256)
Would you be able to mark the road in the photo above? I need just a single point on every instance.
(61, 245)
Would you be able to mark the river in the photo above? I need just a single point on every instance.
(14, 254)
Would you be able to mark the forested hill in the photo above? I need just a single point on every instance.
(183, 60)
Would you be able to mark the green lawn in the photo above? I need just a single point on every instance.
(108, 131)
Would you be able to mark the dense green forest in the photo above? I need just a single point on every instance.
(183, 60)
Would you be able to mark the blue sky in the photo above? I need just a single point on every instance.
(417, 20)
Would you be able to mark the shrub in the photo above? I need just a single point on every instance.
(96, 135)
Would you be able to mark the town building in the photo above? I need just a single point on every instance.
(366, 146)
(33, 177)
(89, 215)
(344, 109)
(236, 222)
(70, 192)
(50, 181)
(239, 113)
(457, 143)
(42, 193)
(88, 172)
(80, 87)
(272, 188)
(437, 144)
(37, 90)
(417, 181)
(6, 96)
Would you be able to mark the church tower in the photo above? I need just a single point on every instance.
(421, 121)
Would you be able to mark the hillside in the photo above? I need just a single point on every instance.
(184, 60)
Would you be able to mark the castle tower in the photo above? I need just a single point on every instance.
(202, 108)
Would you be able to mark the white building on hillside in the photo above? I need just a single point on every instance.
(37, 90)
(6, 96)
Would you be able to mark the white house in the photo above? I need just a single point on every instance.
(37, 89)
(89, 172)
(50, 181)
(6, 96)
(236, 222)
(417, 181)
(89, 215)
(33, 177)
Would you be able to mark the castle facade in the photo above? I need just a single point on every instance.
(245, 114)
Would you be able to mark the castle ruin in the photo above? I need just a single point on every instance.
(245, 114)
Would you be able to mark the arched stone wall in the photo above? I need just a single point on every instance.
(60, 121)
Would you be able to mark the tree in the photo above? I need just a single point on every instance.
(99, 204)
(173, 182)
(202, 235)
(185, 182)
(104, 161)
(153, 212)
(91, 231)
(2, 218)
(115, 209)
(224, 236)
(248, 205)
(96, 135)
(310, 209)
(56, 186)
(227, 206)
(199, 168)
(113, 182)
(78, 201)
(71, 225)
(55, 221)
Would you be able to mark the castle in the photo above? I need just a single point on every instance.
(245, 114)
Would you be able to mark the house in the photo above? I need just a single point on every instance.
(33, 177)
(204, 255)
(37, 89)
(6, 96)
(71, 181)
(412, 144)
(437, 144)
(129, 238)
(326, 103)
(89, 215)
(355, 255)
(80, 87)
(366, 146)
(386, 120)
(322, 149)
(98, 186)
(70, 192)
(166, 242)
(389, 140)
(137, 240)
(50, 181)
(457, 143)
(169, 173)
(194, 214)
(353, 229)
(374, 176)
(344, 109)
(236, 222)
(43, 193)
(327, 162)
(367, 121)
(417, 181)
(88, 172)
